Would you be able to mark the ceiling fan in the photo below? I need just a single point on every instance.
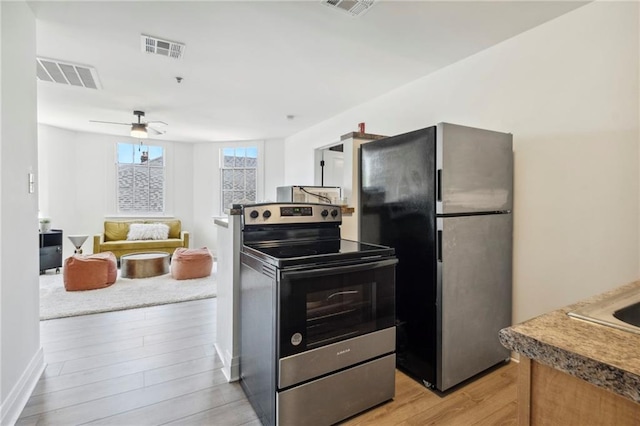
(139, 129)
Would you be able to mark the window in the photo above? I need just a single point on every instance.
(239, 171)
(140, 181)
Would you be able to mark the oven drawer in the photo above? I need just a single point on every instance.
(317, 362)
(333, 398)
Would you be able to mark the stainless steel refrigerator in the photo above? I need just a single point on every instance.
(442, 197)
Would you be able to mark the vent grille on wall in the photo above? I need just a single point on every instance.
(67, 73)
(170, 49)
(352, 7)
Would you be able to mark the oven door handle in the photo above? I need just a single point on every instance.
(335, 270)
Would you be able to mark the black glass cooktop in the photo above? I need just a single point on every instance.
(317, 251)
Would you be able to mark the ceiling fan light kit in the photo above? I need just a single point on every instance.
(139, 130)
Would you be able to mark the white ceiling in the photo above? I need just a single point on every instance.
(249, 64)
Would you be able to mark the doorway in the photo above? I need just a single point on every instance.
(329, 166)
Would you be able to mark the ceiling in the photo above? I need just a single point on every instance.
(248, 65)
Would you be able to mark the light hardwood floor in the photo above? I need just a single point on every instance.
(158, 365)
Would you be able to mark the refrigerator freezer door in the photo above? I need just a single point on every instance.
(474, 169)
(399, 171)
(474, 294)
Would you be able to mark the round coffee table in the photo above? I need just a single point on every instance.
(144, 265)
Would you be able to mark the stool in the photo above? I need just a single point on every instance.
(191, 263)
(89, 272)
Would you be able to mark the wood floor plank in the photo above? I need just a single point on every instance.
(416, 405)
(411, 399)
(127, 355)
(122, 402)
(467, 403)
(139, 368)
(121, 319)
(177, 408)
(507, 415)
(167, 336)
(109, 336)
(53, 369)
(92, 350)
(84, 321)
(187, 368)
(77, 395)
(110, 332)
(65, 381)
(236, 413)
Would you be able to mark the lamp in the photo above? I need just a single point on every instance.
(77, 241)
(139, 130)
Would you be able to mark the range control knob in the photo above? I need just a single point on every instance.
(334, 213)
(266, 214)
(324, 213)
(254, 214)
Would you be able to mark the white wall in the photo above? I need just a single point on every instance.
(206, 183)
(568, 91)
(274, 168)
(78, 181)
(21, 359)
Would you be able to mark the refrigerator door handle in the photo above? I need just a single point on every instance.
(439, 185)
(439, 246)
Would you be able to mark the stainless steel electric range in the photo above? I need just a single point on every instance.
(317, 316)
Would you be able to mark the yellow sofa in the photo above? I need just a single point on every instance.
(114, 238)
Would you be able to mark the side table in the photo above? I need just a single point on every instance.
(144, 265)
(77, 241)
(51, 250)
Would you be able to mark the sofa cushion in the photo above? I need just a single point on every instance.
(148, 231)
(141, 244)
(175, 226)
(117, 230)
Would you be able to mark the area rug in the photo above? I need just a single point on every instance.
(56, 302)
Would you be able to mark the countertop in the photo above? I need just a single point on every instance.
(601, 355)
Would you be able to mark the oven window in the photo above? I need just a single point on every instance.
(338, 314)
(319, 307)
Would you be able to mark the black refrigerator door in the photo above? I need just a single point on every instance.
(397, 209)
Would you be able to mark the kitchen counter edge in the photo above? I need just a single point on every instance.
(601, 355)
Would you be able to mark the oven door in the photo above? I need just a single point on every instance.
(325, 305)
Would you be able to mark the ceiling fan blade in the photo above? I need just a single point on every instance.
(157, 122)
(109, 122)
(155, 131)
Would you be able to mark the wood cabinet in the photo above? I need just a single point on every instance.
(51, 250)
(547, 396)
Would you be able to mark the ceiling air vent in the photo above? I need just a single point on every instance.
(67, 73)
(352, 7)
(170, 49)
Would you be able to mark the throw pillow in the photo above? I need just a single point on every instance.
(148, 231)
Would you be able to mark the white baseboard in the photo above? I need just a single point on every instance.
(230, 366)
(15, 402)
(234, 370)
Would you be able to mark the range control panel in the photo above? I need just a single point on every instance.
(296, 211)
(290, 213)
